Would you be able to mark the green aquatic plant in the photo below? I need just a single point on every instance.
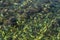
(29, 20)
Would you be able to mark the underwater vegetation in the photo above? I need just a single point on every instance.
(29, 19)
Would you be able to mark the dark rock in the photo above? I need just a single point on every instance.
(52, 5)
(58, 21)
(40, 9)
(10, 38)
(1, 23)
(13, 20)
